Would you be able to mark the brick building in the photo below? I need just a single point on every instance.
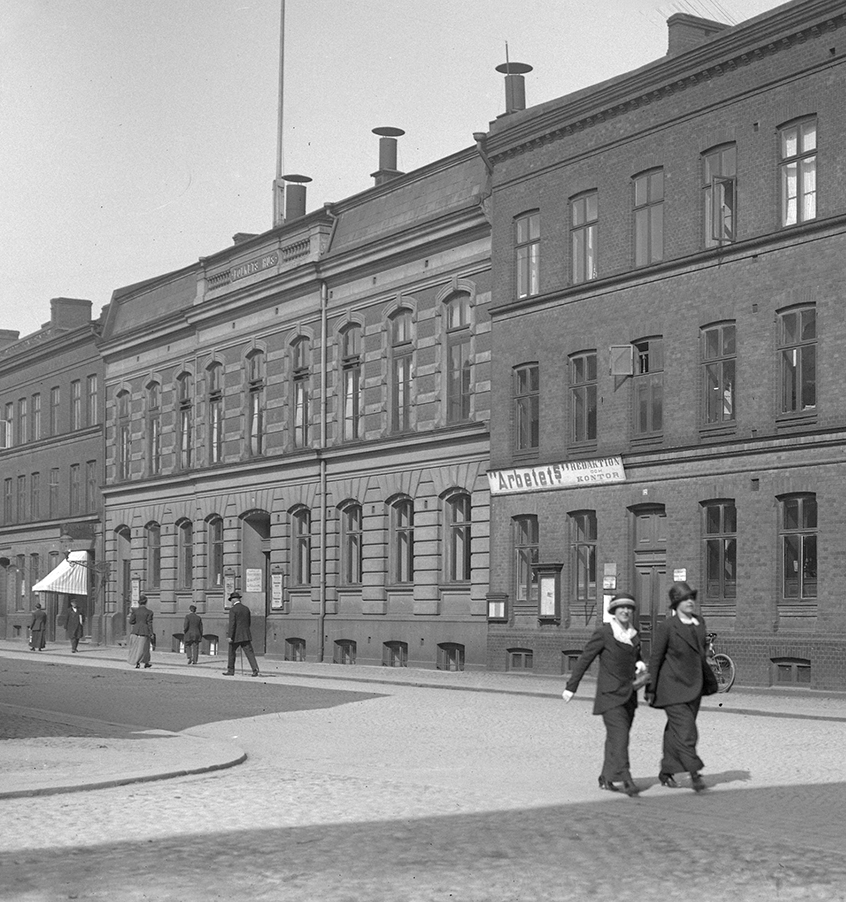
(668, 258)
(51, 460)
(304, 416)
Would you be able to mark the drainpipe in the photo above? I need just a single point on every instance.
(324, 507)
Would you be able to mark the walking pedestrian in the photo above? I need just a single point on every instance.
(617, 646)
(140, 634)
(680, 676)
(239, 635)
(74, 623)
(37, 628)
(192, 634)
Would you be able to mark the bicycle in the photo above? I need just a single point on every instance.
(721, 664)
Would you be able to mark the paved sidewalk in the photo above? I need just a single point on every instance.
(50, 752)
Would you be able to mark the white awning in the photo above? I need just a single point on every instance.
(70, 577)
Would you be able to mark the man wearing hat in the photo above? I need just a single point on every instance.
(618, 647)
(239, 635)
(681, 675)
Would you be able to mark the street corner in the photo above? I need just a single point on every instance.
(39, 765)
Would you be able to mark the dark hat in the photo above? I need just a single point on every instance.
(142, 599)
(679, 592)
(621, 600)
(236, 595)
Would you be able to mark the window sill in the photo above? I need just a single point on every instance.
(796, 420)
(717, 431)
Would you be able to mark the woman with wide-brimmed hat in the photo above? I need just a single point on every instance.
(680, 676)
(617, 646)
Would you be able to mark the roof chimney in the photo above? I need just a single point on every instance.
(69, 313)
(295, 196)
(515, 85)
(241, 237)
(387, 154)
(8, 337)
(687, 32)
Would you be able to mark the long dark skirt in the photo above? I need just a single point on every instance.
(38, 640)
(680, 738)
(618, 724)
(139, 649)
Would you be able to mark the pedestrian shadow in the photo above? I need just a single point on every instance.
(711, 780)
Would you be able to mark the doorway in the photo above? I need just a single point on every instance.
(650, 572)
(255, 564)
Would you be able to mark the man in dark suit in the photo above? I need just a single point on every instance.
(239, 635)
(192, 634)
(74, 621)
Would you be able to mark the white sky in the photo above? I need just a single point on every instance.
(139, 135)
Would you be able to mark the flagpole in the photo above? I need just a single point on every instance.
(279, 184)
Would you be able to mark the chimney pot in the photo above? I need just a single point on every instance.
(387, 153)
(515, 85)
(687, 32)
(295, 196)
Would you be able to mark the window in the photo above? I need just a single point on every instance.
(185, 563)
(91, 486)
(35, 496)
(520, 659)
(55, 404)
(798, 172)
(215, 553)
(76, 405)
(154, 429)
(301, 354)
(295, 649)
(344, 651)
(583, 236)
(583, 397)
(583, 533)
(351, 383)
(8, 511)
(34, 571)
(301, 570)
(798, 349)
(402, 541)
(527, 407)
(457, 524)
(154, 557)
(450, 656)
(648, 386)
(799, 547)
(36, 417)
(720, 526)
(23, 421)
(649, 217)
(21, 499)
(20, 582)
(458, 366)
(9, 425)
(719, 354)
(124, 438)
(93, 400)
(526, 545)
(185, 414)
(53, 497)
(351, 536)
(215, 421)
(792, 671)
(402, 352)
(527, 244)
(719, 184)
(395, 654)
(75, 490)
(255, 403)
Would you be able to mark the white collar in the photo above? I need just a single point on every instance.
(621, 634)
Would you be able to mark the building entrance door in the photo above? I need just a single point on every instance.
(650, 572)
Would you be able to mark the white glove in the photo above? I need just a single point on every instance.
(640, 667)
(567, 695)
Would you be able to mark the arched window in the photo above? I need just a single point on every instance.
(402, 541)
(456, 537)
(402, 355)
(185, 562)
(458, 367)
(351, 382)
(351, 544)
(301, 389)
(124, 436)
(255, 403)
(214, 376)
(154, 428)
(154, 556)
(185, 419)
(214, 552)
(301, 547)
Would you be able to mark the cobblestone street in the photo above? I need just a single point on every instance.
(431, 794)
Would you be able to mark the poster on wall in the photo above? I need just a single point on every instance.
(253, 581)
(135, 592)
(228, 589)
(276, 590)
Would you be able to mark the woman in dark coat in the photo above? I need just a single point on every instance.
(680, 675)
(37, 627)
(140, 633)
(618, 647)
